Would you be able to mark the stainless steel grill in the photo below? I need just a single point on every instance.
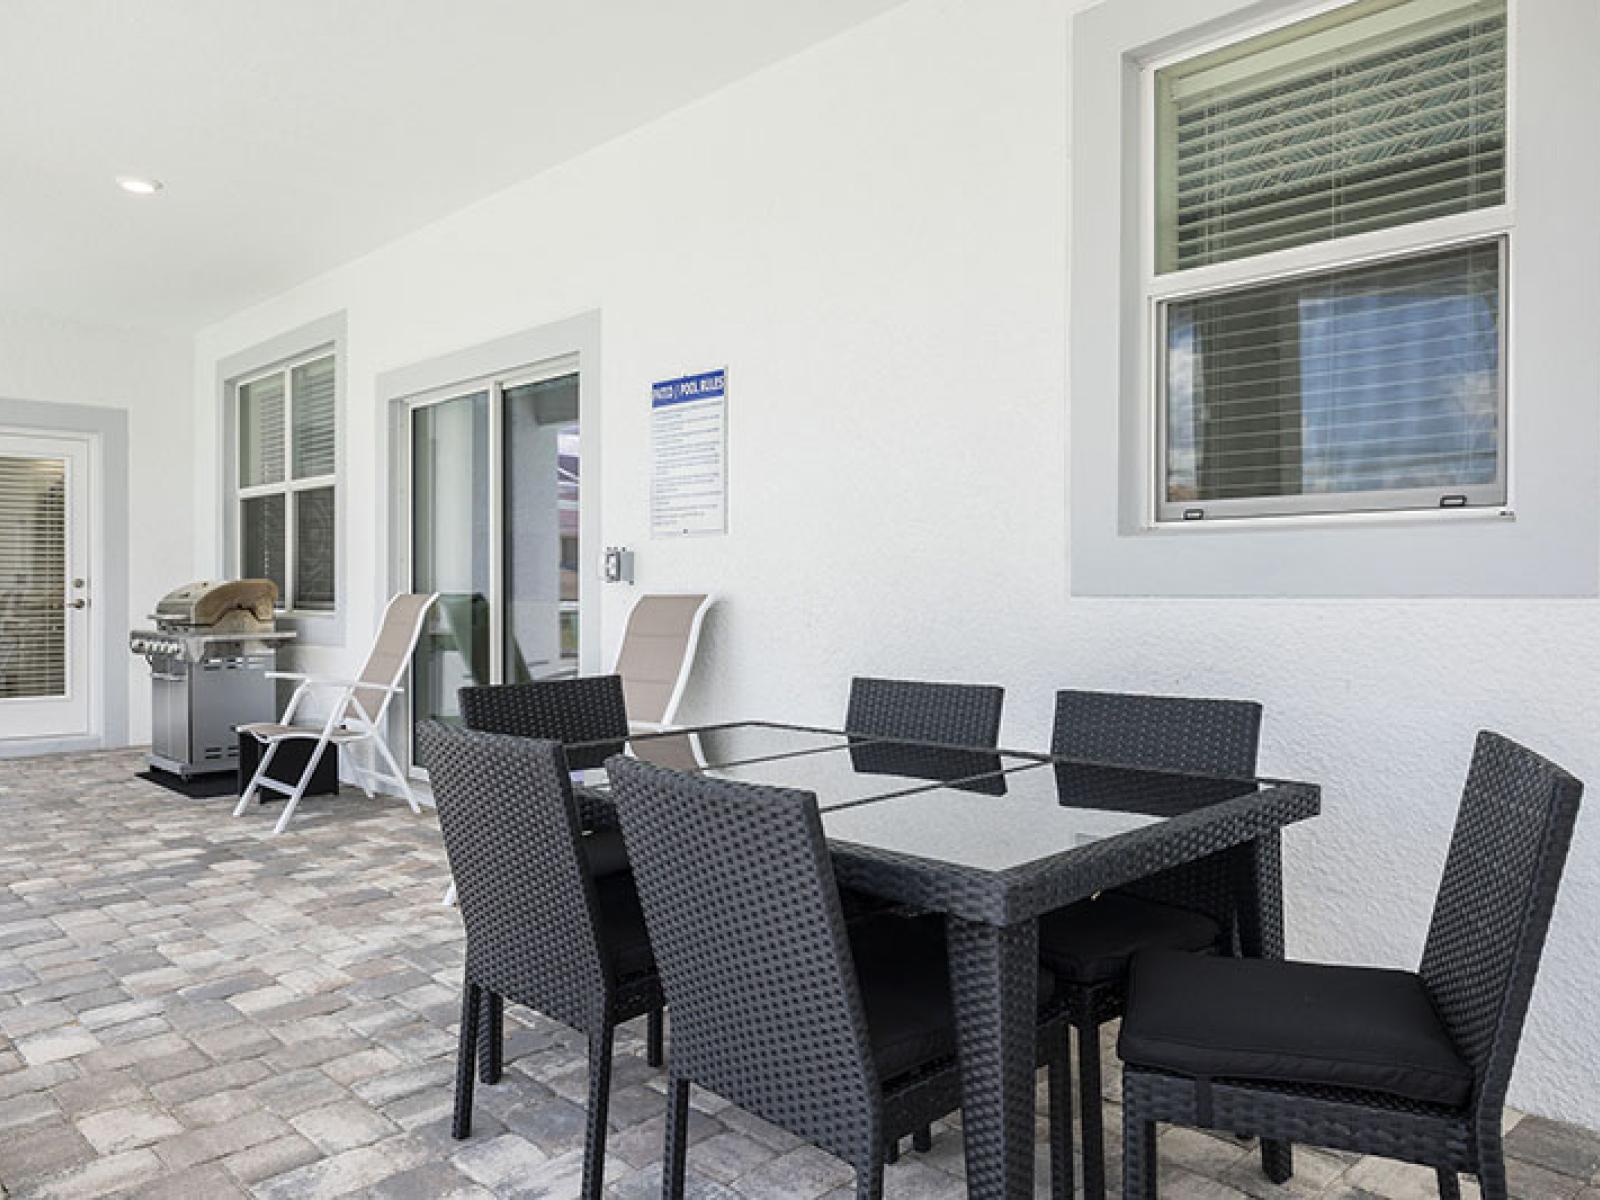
(209, 654)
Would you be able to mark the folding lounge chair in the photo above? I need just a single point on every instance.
(355, 717)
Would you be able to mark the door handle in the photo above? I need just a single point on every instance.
(79, 603)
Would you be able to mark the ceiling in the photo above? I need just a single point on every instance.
(293, 135)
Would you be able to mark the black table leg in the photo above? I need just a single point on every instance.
(1260, 894)
(994, 973)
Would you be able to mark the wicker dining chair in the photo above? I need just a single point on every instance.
(1406, 1065)
(542, 929)
(966, 715)
(1088, 945)
(587, 712)
(842, 1035)
(589, 717)
(948, 714)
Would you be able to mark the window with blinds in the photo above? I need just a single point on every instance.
(33, 570)
(287, 465)
(1338, 188)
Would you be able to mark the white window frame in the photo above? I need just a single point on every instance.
(289, 486)
(1496, 224)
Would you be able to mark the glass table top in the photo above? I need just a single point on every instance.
(835, 767)
(979, 809)
(1046, 809)
(711, 745)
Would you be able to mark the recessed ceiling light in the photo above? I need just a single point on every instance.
(139, 185)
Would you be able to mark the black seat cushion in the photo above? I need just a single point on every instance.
(904, 975)
(604, 852)
(1092, 941)
(1356, 1028)
(622, 932)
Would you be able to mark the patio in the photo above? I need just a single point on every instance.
(197, 1009)
(992, 599)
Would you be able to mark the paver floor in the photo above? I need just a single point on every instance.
(190, 1007)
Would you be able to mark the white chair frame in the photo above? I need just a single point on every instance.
(347, 724)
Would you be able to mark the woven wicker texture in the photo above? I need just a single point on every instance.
(1501, 877)
(745, 919)
(511, 834)
(532, 915)
(1495, 900)
(740, 899)
(952, 714)
(1174, 733)
(1171, 733)
(570, 711)
(993, 973)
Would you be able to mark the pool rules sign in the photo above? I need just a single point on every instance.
(689, 455)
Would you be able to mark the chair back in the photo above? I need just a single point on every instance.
(512, 837)
(951, 714)
(657, 653)
(391, 652)
(1159, 733)
(588, 709)
(1169, 733)
(743, 912)
(1499, 888)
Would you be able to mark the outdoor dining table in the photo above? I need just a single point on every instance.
(993, 839)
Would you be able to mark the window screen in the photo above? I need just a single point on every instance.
(1376, 379)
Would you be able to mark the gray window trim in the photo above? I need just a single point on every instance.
(1551, 547)
(325, 335)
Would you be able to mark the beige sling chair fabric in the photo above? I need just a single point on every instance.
(657, 653)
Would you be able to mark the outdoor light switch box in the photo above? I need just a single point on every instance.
(617, 565)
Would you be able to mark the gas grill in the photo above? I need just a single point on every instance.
(209, 654)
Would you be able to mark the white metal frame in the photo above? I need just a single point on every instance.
(1421, 237)
(289, 487)
(347, 723)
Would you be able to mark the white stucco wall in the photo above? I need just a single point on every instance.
(872, 238)
(48, 361)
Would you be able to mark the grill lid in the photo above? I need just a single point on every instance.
(240, 605)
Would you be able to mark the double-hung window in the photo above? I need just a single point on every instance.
(1326, 271)
(287, 463)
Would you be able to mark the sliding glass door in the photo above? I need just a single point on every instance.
(494, 528)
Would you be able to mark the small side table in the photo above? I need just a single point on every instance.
(287, 765)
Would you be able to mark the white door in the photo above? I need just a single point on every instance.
(45, 629)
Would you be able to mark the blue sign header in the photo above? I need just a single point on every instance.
(710, 385)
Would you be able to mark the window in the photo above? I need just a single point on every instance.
(287, 465)
(1326, 281)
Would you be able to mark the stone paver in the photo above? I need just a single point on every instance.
(192, 1008)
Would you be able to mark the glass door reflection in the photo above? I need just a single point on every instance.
(450, 551)
(540, 529)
